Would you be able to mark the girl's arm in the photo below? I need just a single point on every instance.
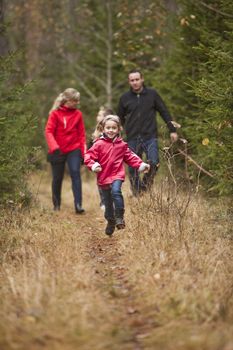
(50, 131)
(91, 158)
(134, 161)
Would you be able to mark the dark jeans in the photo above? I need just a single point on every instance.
(101, 196)
(73, 160)
(113, 199)
(150, 148)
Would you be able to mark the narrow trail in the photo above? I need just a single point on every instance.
(113, 280)
(156, 285)
(104, 255)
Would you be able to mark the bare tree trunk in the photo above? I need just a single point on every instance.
(109, 55)
(33, 36)
(171, 5)
(3, 38)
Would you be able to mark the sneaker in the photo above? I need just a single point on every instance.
(110, 228)
(102, 207)
(56, 207)
(79, 209)
(120, 223)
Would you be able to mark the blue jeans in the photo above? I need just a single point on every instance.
(113, 199)
(150, 148)
(73, 160)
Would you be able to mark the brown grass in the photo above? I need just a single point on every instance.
(165, 282)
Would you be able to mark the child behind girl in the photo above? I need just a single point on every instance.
(103, 112)
(106, 158)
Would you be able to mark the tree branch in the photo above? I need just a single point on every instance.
(195, 163)
(91, 75)
(88, 91)
(215, 10)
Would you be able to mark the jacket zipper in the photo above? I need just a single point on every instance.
(64, 121)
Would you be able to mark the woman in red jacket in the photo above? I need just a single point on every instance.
(65, 136)
(106, 157)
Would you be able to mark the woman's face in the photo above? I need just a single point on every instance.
(71, 104)
(111, 129)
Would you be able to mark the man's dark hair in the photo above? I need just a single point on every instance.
(135, 70)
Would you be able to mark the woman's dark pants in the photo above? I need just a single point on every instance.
(73, 160)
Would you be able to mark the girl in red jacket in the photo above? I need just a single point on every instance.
(106, 158)
(65, 136)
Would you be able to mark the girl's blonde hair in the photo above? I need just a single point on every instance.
(103, 112)
(113, 118)
(67, 95)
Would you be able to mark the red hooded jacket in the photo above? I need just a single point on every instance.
(111, 155)
(65, 130)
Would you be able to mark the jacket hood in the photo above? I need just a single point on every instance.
(117, 138)
(67, 109)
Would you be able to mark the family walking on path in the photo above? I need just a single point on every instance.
(65, 136)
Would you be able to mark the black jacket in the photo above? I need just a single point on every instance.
(138, 113)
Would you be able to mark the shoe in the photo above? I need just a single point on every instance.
(120, 223)
(79, 209)
(102, 207)
(110, 228)
(56, 207)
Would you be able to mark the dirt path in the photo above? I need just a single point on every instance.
(104, 256)
(120, 293)
(65, 285)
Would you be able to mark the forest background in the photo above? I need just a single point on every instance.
(184, 48)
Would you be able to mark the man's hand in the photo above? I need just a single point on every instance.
(174, 136)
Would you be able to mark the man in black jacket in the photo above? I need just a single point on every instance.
(137, 111)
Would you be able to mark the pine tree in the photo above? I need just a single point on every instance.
(199, 86)
(16, 133)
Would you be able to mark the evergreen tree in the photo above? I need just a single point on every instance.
(16, 133)
(198, 82)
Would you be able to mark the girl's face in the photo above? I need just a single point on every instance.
(111, 129)
(71, 104)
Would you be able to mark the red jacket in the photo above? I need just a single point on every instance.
(65, 130)
(111, 155)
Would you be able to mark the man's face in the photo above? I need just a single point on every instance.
(136, 81)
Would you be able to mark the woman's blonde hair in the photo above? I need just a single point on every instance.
(103, 112)
(67, 95)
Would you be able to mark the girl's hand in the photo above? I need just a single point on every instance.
(98, 169)
(144, 168)
(147, 169)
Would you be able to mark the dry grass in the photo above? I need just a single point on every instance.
(163, 283)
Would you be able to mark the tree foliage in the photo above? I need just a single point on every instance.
(86, 44)
(184, 49)
(16, 132)
(199, 84)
